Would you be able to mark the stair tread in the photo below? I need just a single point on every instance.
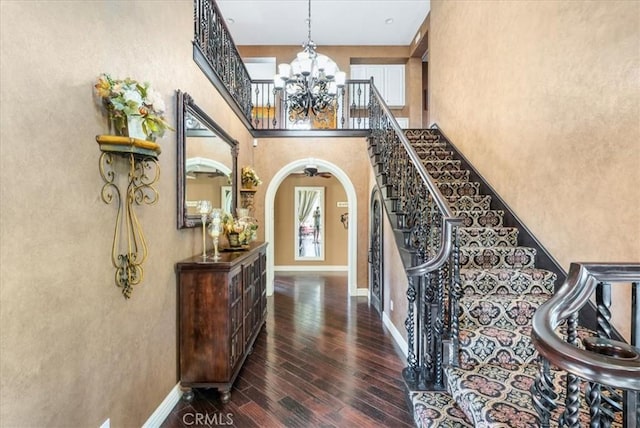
(437, 409)
(504, 311)
(500, 249)
(499, 396)
(481, 229)
(507, 347)
(477, 230)
(507, 281)
(502, 271)
(506, 297)
(470, 202)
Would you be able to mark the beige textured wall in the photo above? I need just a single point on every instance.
(335, 235)
(348, 154)
(544, 99)
(73, 351)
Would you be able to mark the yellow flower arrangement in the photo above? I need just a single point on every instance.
(249, 177)
(246, 228)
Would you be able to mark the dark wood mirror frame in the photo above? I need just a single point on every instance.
(186, 104)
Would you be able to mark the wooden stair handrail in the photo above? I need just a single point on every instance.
(581, 282)
(449, 219)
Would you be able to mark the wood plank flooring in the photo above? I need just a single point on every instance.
(322, 360)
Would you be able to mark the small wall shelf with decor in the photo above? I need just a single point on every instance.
(247, 197)
(139, 158)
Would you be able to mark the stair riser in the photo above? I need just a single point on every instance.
(429, 146)
(439, 165)
(507, 282)
(449, 190)
(435, 151)
(422, 136)
(485, 219)
(435, 155)
(447, 176)
(495, 346)
(487, 237)
(506, 313)
(470, 203)
(497, 258)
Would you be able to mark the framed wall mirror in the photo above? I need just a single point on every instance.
(207, 163)
(309, 223)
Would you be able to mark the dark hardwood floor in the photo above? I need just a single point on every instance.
(322, 360)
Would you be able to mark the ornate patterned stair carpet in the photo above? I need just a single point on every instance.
(502, 289)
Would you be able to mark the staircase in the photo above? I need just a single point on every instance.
(501, 289)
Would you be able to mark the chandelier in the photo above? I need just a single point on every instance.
(310, 81)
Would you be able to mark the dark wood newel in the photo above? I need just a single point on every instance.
(221, 308)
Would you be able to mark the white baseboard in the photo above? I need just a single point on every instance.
(362, 292)
(395, 333)
(311, 268)
(163, 410)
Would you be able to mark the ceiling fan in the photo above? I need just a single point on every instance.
(312, 171)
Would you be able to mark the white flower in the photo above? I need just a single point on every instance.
(155, 100)
(132, 95)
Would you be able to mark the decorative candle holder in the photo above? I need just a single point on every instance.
(215, 228)
(204, 208)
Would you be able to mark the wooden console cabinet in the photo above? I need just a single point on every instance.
(221, 308)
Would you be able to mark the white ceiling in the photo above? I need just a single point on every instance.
(333, 22)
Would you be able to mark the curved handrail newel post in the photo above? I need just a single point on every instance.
(602, 362)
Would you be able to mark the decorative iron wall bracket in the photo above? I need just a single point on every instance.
(143, 173)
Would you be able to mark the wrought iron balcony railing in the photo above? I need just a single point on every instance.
(256, 102)
(269, 109)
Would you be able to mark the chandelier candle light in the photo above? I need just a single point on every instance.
(311, 81)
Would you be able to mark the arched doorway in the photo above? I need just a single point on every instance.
(352, 251)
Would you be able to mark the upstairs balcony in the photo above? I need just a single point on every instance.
(265, 110)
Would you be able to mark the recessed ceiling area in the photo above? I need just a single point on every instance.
(333, 22)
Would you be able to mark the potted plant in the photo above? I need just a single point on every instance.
(135, 109)
(249, 178)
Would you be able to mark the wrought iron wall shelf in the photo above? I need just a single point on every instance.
(143, 173)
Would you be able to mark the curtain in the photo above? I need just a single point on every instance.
(306, 201)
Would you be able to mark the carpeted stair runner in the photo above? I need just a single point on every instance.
(502, 289)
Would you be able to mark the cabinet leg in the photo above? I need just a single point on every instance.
(187, 395)
(225, 396)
